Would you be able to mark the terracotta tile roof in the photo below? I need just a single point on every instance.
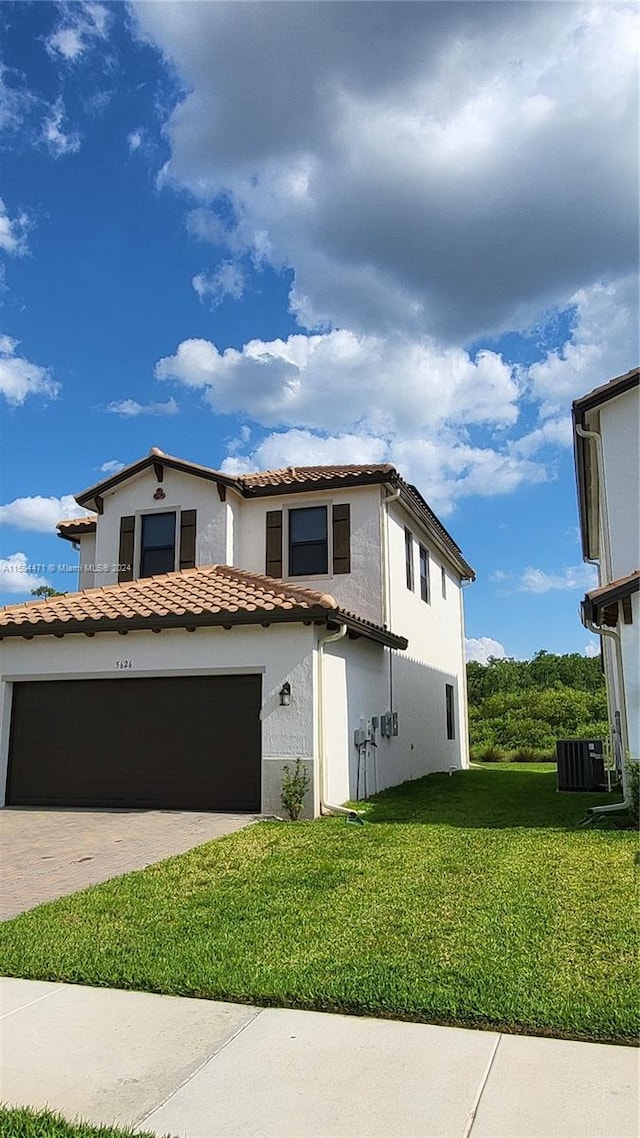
(73, 528)
(303, 475)
(215, 595)
(292, 479)
(622, 586)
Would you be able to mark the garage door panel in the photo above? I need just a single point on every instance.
(172, 743)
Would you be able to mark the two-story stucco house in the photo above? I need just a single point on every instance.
(228, 625)
(607, 441)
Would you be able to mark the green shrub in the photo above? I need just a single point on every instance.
(492, 754)
(532, 755)
(295, 784)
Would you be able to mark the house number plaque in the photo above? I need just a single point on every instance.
(122, 664)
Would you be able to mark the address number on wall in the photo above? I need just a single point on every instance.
(122, 664)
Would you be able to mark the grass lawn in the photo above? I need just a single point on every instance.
(470, 899)
(43, 1124)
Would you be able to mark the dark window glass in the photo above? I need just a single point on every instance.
(451, 727)
(444, 582)
(308, 544)
(424, 574)
(158, 544)
(408, 553)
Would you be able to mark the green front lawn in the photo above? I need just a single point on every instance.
(21, 1123)
(469, 899)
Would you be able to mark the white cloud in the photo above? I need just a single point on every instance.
(112, 466)
(414, 180)
(302, 448)
(482, 648)
(82, 25)
(134, 139)
(582, 577)
(592, 648)
(227, 280)
(55, 137)
(603, 343)
(339, 379)
(553, 432)
(130, 408)
(13, 231)
(18, 576)
(20, 378)
(39, 514)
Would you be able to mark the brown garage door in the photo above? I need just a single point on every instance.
(188, 743)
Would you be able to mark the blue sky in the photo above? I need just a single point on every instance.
(261, 234)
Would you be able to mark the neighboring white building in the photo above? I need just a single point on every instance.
(228, 625)
(607, 434)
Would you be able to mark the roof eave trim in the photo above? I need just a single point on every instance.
(101, 488)
(205, 620)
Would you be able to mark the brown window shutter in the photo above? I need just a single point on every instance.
(342, 538)
(274, 543)
(188, 539)
(125, 555)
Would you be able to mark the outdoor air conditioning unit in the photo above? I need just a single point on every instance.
(580, 765)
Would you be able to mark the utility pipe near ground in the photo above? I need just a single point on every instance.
(325, 806)
(617, 652)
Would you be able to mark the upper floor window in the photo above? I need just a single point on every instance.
(308, 541)
(425, 584)
(408, 556)
(444, 582)
(157, 544)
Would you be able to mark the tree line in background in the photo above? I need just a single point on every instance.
(518, 709)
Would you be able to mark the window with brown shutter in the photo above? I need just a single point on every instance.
(342, 538)
(125, 554)
(274, 543)
(188, 539)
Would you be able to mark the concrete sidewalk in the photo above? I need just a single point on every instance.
(201, 1069)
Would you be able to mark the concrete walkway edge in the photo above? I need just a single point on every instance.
(205, 1069)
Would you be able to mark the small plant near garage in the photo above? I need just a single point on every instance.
(295, 784)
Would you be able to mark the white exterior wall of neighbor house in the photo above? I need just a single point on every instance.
(86, 573)
(280, 653)
(182, 492)
(630, 647)
(359, 591)
(619, 430)
(435, 656)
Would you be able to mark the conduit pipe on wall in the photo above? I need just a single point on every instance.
(617, 652)
(386, 576)
(384, 544)
(325, 806)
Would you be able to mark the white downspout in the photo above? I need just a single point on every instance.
(604, 526)
(615, 636)
(326, 807)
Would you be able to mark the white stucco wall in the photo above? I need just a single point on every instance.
(435, 631)
(86, 573)
(279, 653)
(183, 492)
(620, 432)
(630, 644)
(358, 679)
(359, 591)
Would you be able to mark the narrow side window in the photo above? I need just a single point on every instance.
(408, 555)
(425, 584)
(451, 726)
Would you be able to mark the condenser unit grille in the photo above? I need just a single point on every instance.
(580, 765)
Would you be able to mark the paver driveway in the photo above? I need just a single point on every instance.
(49, 853)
